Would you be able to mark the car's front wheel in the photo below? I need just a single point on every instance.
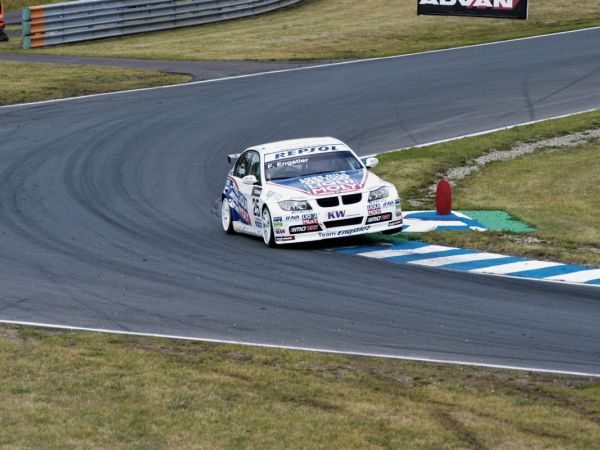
(267, 228)
(226, 216)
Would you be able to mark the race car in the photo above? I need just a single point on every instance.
(305, 190)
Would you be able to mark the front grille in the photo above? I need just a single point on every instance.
(328, 202)
(351, 199)
(343, 222)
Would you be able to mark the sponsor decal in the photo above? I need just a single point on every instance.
(240, 203)
(379, 218)
(303, 151)
(279, 231)
(394, 223)
(388, 204)
(291, 218)
(331, 183)
(288, 163)
(336, 214)
(330, 234)
(504, 9)
(374, 211)
(309, 219)
(285, 238)
(398, 213)
(256, 190)
(327, 184)
(355, 230)
(327, 234)
(258, 223)
(277, 222)
(304, 229)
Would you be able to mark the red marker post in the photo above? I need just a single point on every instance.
(3, 36)
(443, 198)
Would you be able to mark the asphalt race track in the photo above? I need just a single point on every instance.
(105, 211)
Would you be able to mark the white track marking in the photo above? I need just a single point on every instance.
(319, 66)
(505, 269)
(391, 253)
(307, 349)
(578, 277)
(442, 261)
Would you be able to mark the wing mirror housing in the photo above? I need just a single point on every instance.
(233, 157)
(371, 162)
(249, 179)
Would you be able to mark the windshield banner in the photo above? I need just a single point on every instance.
(304, 151)
(501, 9)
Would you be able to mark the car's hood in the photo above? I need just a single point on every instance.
(331, 183)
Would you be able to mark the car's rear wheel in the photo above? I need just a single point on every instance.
(267, 228)
(226, 216)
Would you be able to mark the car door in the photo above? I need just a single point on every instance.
(246, 198)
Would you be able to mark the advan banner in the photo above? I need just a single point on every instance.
(502, 9)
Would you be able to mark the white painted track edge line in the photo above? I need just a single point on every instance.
(490, 131)
(317, 66)
(307, 349)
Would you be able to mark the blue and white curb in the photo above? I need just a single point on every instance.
(424, 221)
(423, 254)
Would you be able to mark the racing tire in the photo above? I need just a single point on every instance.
(226, 220)
(267, 228)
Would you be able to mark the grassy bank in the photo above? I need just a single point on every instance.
(333, 29)
(13, 5)
(74, 390)
(556, 190)
(26, 82)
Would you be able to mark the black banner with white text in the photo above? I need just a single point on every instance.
(502, 9)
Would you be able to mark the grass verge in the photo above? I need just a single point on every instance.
(556, 190)
(13, 5)
(74, 390)
(26, 82)
(335, 29)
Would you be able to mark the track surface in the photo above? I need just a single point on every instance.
(105, 211)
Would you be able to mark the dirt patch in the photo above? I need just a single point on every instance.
(11, 334)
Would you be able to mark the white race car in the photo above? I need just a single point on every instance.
(305, 190)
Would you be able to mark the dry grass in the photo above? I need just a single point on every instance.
(84, 390)
(556, 191)
(332, 29)
(24, 82)
(13, 5)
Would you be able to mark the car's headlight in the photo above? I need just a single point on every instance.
(294, 205)
(378, 194)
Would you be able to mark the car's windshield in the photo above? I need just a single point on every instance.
(302, 166)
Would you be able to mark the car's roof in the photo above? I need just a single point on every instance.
(296, 143)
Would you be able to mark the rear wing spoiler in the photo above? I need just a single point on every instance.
(233, 157)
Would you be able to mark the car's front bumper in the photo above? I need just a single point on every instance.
(337, 222)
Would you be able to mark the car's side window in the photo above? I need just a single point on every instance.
(255, 166)
(242, 166)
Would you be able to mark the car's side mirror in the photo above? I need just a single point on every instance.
(249, 179)
(371, 162)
